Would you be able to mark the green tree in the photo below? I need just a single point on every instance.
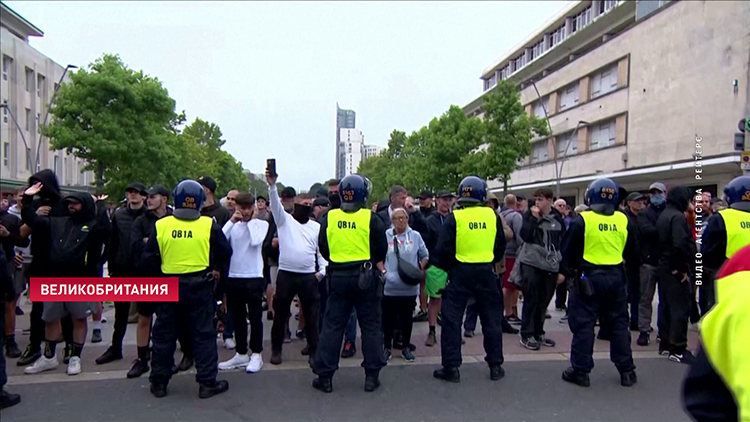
(507, 130)
(314, 188)
(118, 120)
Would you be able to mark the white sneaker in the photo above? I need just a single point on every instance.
(256, 362)
(238, 361)
(42, 364)
(74, 366)
(229, 344)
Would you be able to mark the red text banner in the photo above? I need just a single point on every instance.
(55, 289)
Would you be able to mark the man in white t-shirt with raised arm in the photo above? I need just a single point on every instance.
(298, 250)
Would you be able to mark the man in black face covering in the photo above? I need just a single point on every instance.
(298, 254)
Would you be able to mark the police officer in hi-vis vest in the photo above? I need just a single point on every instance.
(182, 245)
(471, 241)
(594, 249)
(728, 231)
(352, 240)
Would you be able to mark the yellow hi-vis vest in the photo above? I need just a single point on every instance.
(184, 245)
(476, 229)
(737, 225)
(605, 237)
(348, 235)
(725, 336)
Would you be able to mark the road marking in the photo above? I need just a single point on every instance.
(302, 365)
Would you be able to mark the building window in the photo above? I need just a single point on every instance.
(609, 5)
(7, 66)
(56, 166)
(604, 81)
(557, 36)
(29, 80)
(539, 152)
(569, 141)
(39, 85)
(28, 119)
(5, 112)
(492, 81)
(537, 50)
(28, 159)
(39, 123)
(582, 20)
(569, 97)
(603, 135)
(6, 153)
(540, 107)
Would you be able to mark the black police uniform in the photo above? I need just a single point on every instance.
(196, 304)
(352, 284)
(477, 279)
(598, 290)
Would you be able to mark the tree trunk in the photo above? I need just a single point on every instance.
(505, 186)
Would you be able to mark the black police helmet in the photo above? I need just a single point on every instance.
(188, 200)
(472, 190)
(738, 190)
(603, 192)
(353, 191)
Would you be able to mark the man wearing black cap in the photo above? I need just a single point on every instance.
(121, 263)
(426, 206)
(212, 208)
(634, 203)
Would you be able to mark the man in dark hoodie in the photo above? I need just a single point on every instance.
(676, 256)
(49, 203)
(76, 243)
(649, 241)
(121, 263)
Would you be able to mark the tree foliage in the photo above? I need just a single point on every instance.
(452, 146)
(123, 123)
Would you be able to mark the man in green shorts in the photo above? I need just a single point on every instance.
(436, 278)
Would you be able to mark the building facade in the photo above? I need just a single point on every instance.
(345, 119)
(29, 81)
(639, 91)
(352, 146)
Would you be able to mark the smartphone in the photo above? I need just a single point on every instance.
(271, 166)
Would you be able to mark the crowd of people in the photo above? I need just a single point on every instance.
(440, 254)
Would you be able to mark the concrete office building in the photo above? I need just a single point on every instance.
(29, 81)
(345, 119)
(352, 147)
(640, 80)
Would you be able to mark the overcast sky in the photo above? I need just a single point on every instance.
(270, 74)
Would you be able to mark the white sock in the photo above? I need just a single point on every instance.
(97, 325)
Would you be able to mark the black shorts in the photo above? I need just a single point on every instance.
(146, 309)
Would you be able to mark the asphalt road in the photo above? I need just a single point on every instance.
(531, 391)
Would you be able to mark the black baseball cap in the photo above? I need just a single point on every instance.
(138, 187)
(425, 195)
(520, 198)
(208, 182)
(321, 202)
(158, 190)
(444, 194)
(635, 196)
(261, 197)
(288, 192)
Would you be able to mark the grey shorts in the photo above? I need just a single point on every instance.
(274, 270)
(54, 311)
(20, 280)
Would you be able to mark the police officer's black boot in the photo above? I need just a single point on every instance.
(185, 364)
(372, 381)
(158, 390)
(210, 389)
(449, 374)
(628, 379)
(576, 377)
(496, 372)
(323, 384)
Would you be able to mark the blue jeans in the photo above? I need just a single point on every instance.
(351, 328)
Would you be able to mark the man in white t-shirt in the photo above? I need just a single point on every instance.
(245, 285)
(298, 250)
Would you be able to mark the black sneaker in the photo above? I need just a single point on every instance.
(19, 311)
(575, 377)
(685, 357)
(564, 320)
(420, 317)
(300, 334)
(562, 308)
(139, 368)
(387, 355)
(158, 390)
(96, 336)
(110, 355)
(447, 374)
(276, 358)
(408, 355)
(323, 384)
(628, 379)
(468, 333)
(643, 339)
(507, 328)
(663, 350)
(11, 349)
(547, 342)
(514, 320)
(7, 399)
(530, 343)
(210, 389)
(349, 350)
(496, 372)
(29, 356)
(305, 350)
(372, 382)
(185, 364)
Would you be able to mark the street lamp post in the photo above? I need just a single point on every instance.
(23, 137)
(46, 114)
(558, 173)
(549, 125)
